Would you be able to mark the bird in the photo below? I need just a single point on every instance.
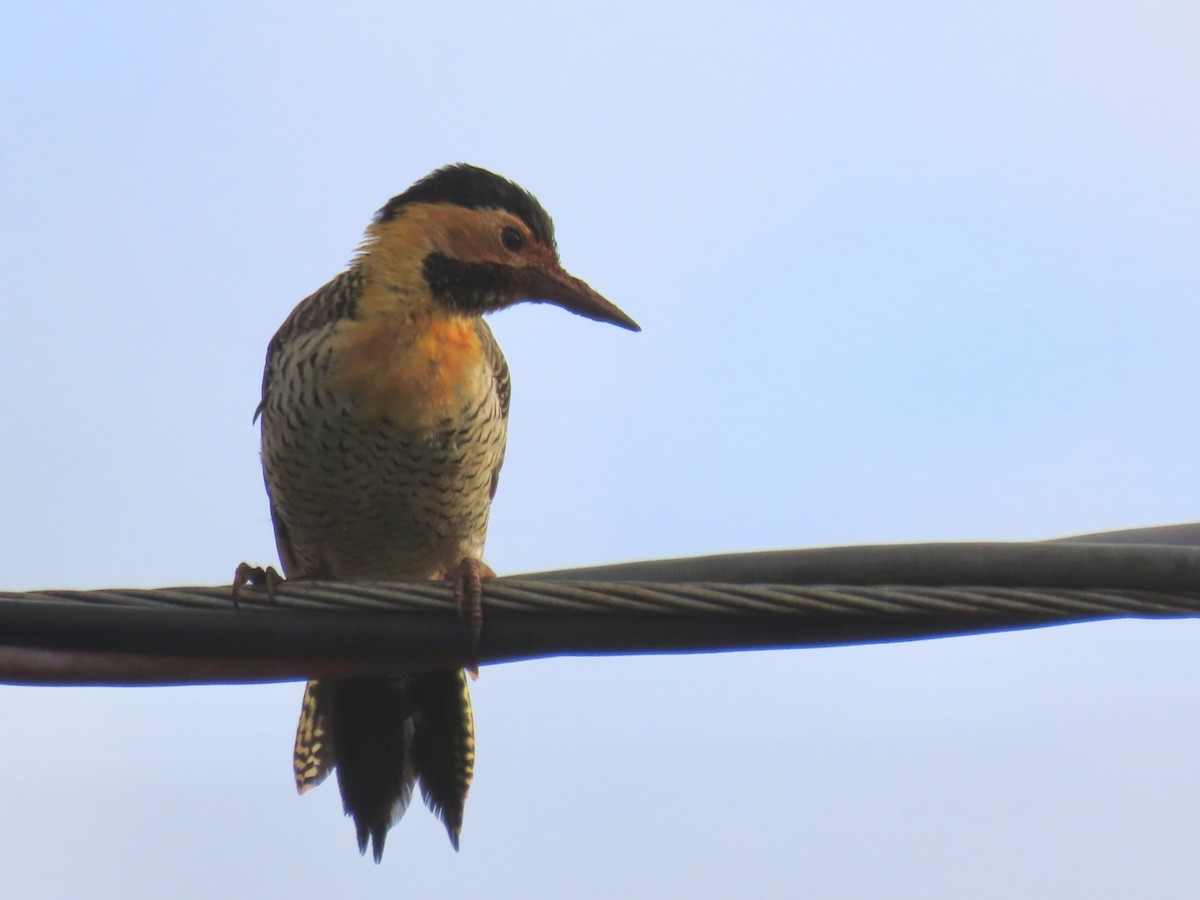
(384, 418)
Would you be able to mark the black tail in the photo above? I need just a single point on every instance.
(388, 734)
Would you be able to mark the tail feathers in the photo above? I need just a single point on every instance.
(373, 821)
(312, 756)
(372, 734)
(384, 736)
(443, 748)
(375, 829)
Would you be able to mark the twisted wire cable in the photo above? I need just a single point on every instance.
(784, 599)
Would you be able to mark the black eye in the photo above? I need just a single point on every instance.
(512, 239)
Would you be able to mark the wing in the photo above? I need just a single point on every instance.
(336, 300)
(499, 367)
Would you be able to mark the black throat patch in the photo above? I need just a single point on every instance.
(471, 288)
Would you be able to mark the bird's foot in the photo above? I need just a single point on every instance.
(259, 577)
(469, 576)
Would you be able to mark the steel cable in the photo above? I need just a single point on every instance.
(785, 599)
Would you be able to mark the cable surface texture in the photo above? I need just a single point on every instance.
(782, 599)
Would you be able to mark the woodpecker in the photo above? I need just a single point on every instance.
(384, 420)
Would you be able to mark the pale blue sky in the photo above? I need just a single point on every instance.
(922, 271)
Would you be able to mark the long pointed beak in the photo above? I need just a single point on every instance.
(550, 284)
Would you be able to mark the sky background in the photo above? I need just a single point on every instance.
(906, 272)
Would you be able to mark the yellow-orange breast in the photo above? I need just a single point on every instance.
(415, 373)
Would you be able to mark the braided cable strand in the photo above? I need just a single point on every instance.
(788, 599)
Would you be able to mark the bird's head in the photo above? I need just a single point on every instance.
(469, 242)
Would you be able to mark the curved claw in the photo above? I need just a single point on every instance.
(259, 577)
(469, 576)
